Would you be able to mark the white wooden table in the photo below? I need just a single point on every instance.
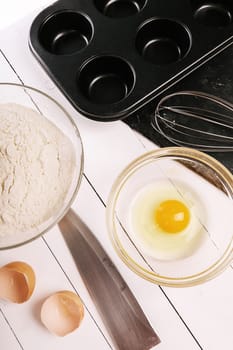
(194, 318)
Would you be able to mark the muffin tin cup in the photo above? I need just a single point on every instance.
(213, 13)
(106, 80)
(65, 32)
(119, 8)
(111, 57)
(163, 41)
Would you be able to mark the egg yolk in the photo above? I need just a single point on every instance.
(172, 216)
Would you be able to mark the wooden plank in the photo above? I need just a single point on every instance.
(8, 338)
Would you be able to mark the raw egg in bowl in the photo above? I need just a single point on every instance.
(169, 216)
(164, 223)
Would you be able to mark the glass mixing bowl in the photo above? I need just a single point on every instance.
(54, 112)
(138, 216)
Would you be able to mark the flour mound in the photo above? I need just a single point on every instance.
(36, 168)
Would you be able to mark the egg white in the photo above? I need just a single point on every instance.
(149, 237)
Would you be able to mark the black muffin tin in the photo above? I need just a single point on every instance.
(112, 57)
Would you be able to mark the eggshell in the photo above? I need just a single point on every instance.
(62, 312)
(17, 282)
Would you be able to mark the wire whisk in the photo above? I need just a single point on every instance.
(195, 119)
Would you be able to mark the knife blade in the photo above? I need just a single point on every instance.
(122, 315)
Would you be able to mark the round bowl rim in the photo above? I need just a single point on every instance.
(190, 154)
(79, 175)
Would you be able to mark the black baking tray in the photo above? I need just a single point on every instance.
(111, 57)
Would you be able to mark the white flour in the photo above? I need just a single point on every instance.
(36, 167)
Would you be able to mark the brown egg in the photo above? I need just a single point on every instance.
(62, 312)
(17, 282)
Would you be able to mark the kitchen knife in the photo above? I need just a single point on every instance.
(122, 315)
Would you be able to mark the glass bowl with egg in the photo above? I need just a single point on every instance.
(41, 163)
(169, 216)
